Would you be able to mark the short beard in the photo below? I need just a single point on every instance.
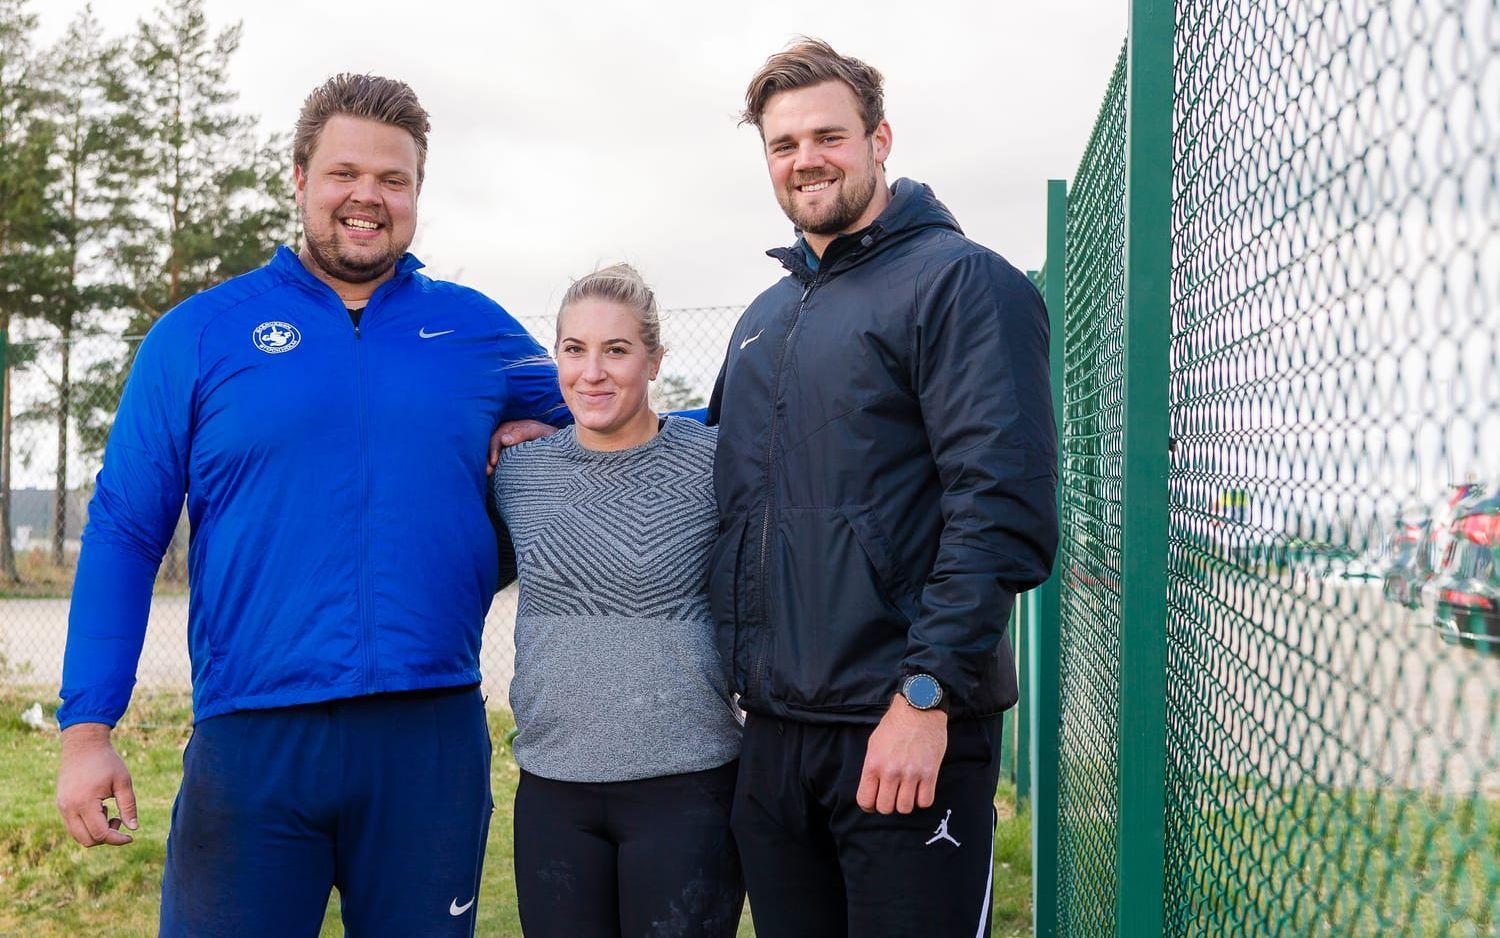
(845, 211)
(342, 267)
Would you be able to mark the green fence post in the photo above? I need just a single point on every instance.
(1021, 624)
(1140, 860)
(1008, 718)
(1043, 650)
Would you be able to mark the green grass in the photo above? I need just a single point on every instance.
(1310, 859)
(1011, 908)
(51, 886)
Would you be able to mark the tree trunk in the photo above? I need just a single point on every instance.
(65, 348)
(60, 487)
(7, 550)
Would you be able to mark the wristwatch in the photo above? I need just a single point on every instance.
(923, 692)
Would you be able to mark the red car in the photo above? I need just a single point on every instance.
(1464, 593)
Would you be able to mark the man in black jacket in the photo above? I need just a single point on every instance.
(886, 478)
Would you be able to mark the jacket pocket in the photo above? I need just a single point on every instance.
(724, 573)
(896, 585)
(838, 638)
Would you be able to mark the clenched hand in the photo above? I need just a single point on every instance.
(90, 772)
(902, 759)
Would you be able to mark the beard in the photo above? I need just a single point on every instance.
(341, 264)
(853, 198)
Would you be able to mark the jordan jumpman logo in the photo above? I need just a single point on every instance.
(942, 831)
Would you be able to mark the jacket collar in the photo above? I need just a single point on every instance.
(285, 263)
(913, 207)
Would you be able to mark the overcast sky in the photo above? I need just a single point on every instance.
(591, 132)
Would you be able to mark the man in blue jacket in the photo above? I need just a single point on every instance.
(886, 477)
(325, 417)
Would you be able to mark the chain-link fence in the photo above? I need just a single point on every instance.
(62, 397)
(1334, 746)
(1089, 558)
(1324, 750)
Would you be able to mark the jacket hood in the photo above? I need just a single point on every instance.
(913, 208)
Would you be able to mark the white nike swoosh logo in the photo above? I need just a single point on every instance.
(433, 335)
(751, 339)
(455, 909)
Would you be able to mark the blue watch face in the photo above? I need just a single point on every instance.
(922, 691)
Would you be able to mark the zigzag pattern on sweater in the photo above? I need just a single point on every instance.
(622, 534)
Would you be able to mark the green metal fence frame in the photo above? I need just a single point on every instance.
(1042, 642)
(1141, 858)
(1141, 820)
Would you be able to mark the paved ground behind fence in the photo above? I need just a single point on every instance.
(1402, 708)
(33, 634)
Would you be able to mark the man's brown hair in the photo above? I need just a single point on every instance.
(810, 62)
(368, 96)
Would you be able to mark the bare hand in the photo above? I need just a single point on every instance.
(512, 432)
(902, 759)
(90, 772)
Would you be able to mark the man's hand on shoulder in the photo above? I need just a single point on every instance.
(902, 759)
(90, 772)
(512, 432)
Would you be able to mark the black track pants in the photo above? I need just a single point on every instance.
(652, 857)
(817, 866)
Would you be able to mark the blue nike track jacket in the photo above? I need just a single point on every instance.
(335, 488)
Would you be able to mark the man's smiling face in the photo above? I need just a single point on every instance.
(357, 196)
(826, 171)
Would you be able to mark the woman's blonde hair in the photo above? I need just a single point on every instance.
(623, 284)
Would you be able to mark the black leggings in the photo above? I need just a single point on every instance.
(652, 857)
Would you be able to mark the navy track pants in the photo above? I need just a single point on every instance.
(385, 797)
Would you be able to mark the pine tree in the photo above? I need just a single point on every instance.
(26, 274)
(216, 200)
(211, 201)
(90, 199)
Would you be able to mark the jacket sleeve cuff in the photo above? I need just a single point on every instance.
(956, 685)
(69, 716)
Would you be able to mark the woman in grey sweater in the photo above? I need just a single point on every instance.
(628, 736)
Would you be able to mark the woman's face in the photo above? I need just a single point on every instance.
(603, 365)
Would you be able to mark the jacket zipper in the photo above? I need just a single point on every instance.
(765, 525)
(366, 631)
(363, 598)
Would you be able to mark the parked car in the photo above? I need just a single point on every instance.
(1464, 593)
(1407, 553)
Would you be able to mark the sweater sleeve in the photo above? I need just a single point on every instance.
(137, 500)
(982, 378)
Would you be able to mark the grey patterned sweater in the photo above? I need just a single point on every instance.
(617, 672)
